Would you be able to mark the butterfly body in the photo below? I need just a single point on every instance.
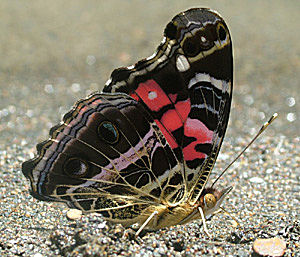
(147, 144)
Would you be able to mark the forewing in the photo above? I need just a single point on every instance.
(187, 87)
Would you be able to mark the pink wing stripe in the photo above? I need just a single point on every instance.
(195, 128)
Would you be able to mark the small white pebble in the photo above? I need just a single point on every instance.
(223, 156)
(291, 101)
(4, 112)
(48, 88)
(102, 225)
(291, 117)
(10, 124)
(11, 108)
(256, 180)
(29, 113)
(90, 59)
(38, 255)
(75, 87)
(262, 115)
(74, 214)
(249, 100)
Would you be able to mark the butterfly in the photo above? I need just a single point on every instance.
(142, 150)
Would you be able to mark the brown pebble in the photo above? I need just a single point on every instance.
(74, 214)
(118, 231)
(269, 247)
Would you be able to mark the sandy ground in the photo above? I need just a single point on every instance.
(54, 52)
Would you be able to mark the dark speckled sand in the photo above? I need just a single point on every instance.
(54, 52)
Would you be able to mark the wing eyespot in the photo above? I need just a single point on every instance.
(108, 132)
(221, 32)
(76, 167)
(201, 41)
(191, 48)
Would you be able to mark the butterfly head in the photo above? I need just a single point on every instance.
(211, 199)
(209, 202)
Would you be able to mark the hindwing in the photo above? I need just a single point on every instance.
(107, 152)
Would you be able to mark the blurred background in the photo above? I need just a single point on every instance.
(54, 52)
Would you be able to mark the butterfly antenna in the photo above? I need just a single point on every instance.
(262, 129)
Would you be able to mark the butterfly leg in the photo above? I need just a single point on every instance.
(204, 222)
(145, 223)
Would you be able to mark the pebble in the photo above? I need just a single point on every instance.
(256, 180)
(38, 255)
(269, 247)
(74, 214)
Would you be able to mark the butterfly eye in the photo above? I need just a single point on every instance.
(221, 32)
(108, 132)
(76, 167)
(209, 201)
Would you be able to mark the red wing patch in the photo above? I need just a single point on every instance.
(175, 114)
(174, 117)
(152, 95)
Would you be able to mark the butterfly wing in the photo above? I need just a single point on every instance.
(187, 88)
(118, 154)
(107, 156)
